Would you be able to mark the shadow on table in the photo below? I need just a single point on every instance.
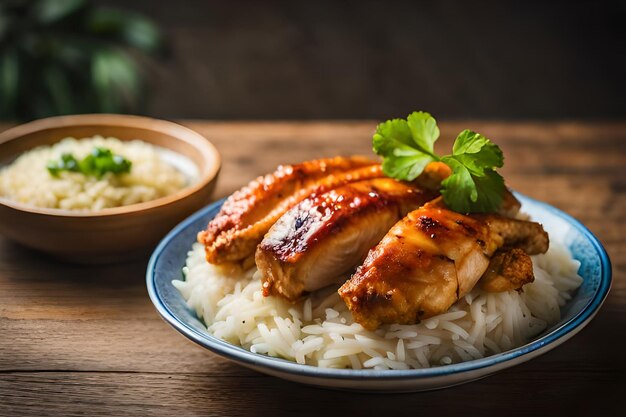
(520, 391)
(39, 266)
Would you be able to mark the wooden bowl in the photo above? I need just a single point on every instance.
(110, 234)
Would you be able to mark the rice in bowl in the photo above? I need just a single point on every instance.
(27, 180)
(319, 329)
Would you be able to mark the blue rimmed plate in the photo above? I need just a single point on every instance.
(169, 258)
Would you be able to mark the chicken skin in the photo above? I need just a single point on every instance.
(508, 270)
(429, 260)
(245, 217)
(323, 238)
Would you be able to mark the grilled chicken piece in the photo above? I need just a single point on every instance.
(428, 260)
(321, 240)
(508, 270)
(245, 217)
(526, 235)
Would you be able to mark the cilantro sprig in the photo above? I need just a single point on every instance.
(407, 146)
(96, 164)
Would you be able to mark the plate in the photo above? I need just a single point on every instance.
(169, 257)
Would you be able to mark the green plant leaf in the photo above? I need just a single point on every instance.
(9, 83)
(72, 56)
(59, 89)
(130, 28)
(115, 79)
(6, 23)
(51, 11)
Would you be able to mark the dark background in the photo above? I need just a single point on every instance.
(375, 59)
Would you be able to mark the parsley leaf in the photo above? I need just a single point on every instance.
(477, 152)
(407, 146)
(474, 185)
(466, 192)
(424, 131)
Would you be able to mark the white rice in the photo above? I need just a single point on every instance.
(320, 331)
(28, 181)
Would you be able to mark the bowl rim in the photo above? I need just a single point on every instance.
(241, 355)
(183, 133)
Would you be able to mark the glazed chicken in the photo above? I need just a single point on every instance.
(312, 223)
(508, 270)
(245, 217)
(433, 257)
(323, 238)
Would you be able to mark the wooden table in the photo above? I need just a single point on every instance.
(79, 340)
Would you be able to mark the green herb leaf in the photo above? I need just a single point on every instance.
(424, 131)
(466, 192)
(66, 163)
(390, 135)
(96, 164)
(474, 185)
(477, 152)
(407, 146)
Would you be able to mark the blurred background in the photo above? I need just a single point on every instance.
(198, 59)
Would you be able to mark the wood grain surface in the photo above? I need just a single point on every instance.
(84, 340)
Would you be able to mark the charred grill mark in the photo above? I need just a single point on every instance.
(428, 224)
(373, 299)
(468, 228)
(431, 227)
